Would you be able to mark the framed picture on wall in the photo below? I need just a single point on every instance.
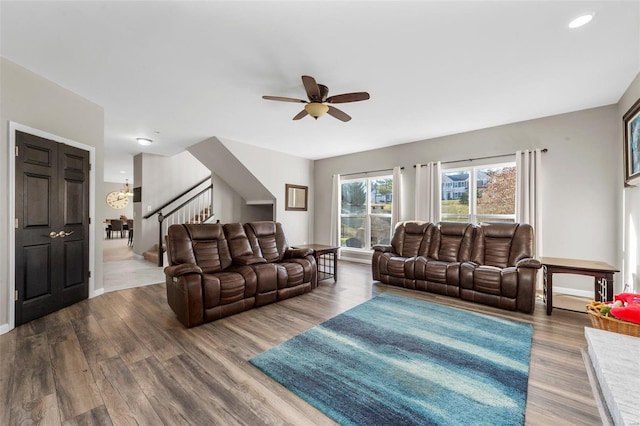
(632, 145)
(295, 197)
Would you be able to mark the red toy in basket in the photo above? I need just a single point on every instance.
(626, 307)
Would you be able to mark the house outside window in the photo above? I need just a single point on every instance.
(479, 194)
(365, 212)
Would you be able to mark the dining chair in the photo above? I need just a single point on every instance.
(116, 226)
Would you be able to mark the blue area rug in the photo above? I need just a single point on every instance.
(395, 360)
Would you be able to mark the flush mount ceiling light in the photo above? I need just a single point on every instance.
(144, 141)
(581, 20)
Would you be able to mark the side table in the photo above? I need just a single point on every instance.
(601, 272)
(326, 260)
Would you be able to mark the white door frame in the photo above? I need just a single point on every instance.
(12, 211)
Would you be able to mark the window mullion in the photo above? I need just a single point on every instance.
(473, 193)
(367, 227)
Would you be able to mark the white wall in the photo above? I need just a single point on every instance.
(33, 101)
(581, 174)
(630, 218)
(275, 169)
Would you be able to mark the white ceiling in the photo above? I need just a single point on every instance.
(179, 72)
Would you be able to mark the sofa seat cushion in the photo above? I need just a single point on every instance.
(222, 288)
(487, 279)
(400, 267)
(294, 274)
(302, 269)
(437, 271)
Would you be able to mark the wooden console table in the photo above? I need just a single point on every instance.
(602, 273)
(326, 260)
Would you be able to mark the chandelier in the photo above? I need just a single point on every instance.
(126, 189)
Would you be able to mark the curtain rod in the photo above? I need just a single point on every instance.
(482, 158)
(369, 171)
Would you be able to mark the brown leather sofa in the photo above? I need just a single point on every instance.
(491, 263)
(219, 270)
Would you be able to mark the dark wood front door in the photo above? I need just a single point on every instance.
(52, 226)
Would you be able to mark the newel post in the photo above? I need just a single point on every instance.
(160, 251)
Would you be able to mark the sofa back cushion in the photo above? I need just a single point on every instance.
(451, 242)
(502, 244)
(267, 240)
(237, 240)
(203, 244)
(412, 238)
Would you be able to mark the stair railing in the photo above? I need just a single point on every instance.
(196, 209)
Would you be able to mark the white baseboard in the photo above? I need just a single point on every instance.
(355, 259)
(98, 292)
(573, 292)
(125, 287)
(4, 328)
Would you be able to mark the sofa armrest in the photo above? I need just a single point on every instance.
(185, 295)
(529, 263)
(384, 248)
(182, 269)
(248, 260)
(299, 253)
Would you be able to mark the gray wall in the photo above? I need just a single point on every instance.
(630, 199)
(33, 101)
(581, 179)
(275, 169)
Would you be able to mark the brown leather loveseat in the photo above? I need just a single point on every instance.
(490, 263)
(219, 270)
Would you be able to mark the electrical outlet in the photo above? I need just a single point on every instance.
(149, 208)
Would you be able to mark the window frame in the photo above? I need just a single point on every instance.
(472, 217)
(367, 215)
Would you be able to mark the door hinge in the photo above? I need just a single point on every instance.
(89, 221)
(15, 295)
(17, 223)
(16, 151)
(89, 166)
(89, 274)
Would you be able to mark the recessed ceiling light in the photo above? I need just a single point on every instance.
(581, 20)
(122, 171)
(144, 141)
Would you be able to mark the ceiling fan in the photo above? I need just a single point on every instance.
(317, 106)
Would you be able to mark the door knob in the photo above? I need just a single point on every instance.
(53, 234)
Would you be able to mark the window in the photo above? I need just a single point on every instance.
(365, 212)
(479, 194)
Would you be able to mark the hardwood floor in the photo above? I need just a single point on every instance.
(122, 358)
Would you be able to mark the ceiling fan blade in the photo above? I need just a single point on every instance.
(348, 97)
(342, 116)
(324, 92)
(300, 114)
(310, 85)
(283, 99)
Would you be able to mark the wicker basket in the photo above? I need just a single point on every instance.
(610, 323)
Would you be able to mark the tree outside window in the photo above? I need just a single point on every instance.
(365, 213)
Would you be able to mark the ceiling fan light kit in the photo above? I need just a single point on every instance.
(317, 106)
(316, 110)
